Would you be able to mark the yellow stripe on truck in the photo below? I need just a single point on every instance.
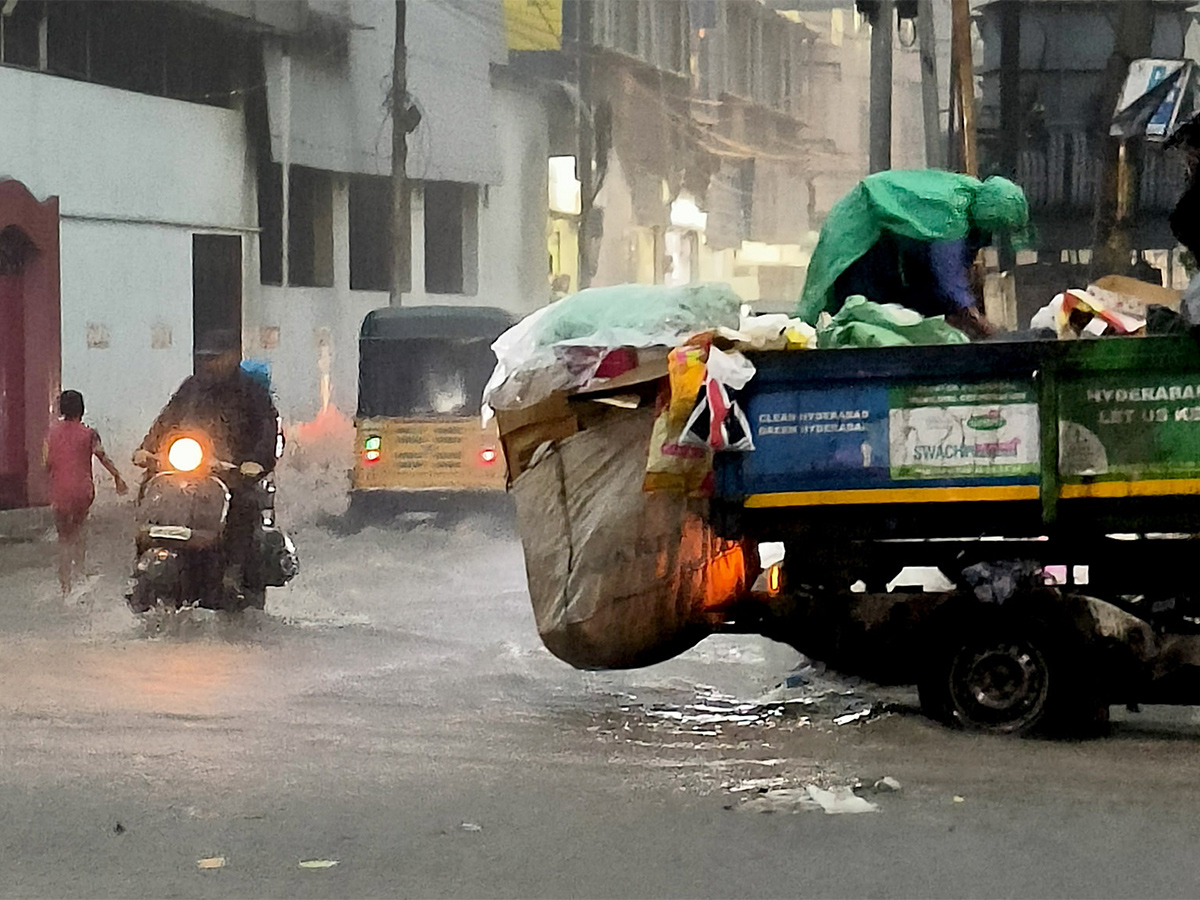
(1110, 489)
(894, 495)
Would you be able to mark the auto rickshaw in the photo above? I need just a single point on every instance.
(420, 443)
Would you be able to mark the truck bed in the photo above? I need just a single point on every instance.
(1023, 439)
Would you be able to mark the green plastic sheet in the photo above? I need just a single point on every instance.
(926, 204)
(863, 323)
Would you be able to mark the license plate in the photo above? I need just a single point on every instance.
(171, 532)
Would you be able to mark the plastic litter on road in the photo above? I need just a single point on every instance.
(840, 800)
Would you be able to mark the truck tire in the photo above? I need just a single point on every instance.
(1003, 673)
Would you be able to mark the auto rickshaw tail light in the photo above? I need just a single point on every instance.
(488, 455)
(372, 451)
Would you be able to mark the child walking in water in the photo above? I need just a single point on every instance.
(68, 453)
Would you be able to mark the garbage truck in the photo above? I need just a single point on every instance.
(1054, 485)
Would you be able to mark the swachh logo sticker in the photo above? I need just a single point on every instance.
(988, 421)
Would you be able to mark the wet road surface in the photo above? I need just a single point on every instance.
(394, 711)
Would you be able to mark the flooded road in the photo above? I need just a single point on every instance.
(394, 711)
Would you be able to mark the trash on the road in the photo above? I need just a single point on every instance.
(887, 785)
(837, 698)
(471, 826)
(854, 716)
(840, 800)
(712, 709)
(318, 863)
(783, 800)
(211, 862)
(958, 799)
(755, 784)
(118, 828)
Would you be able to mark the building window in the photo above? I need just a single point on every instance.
(626, 16)
(149, 47)
(739, 51)
(19, 36)
(451, 238)
(670, 36)
(310, 228)
(370, 233)
(67, 39)
(270, 223)
(126, 46)
(774, 64)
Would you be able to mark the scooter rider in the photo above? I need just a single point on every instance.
(235, 411)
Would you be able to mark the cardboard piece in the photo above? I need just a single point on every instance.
(522, 431)
(647, 370)
(1131, 296)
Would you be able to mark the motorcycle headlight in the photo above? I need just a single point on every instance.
(185, 454)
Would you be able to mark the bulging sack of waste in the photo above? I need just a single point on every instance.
(618, 577)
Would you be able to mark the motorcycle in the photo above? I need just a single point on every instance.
(183, 539)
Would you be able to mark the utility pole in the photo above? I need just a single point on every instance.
(927, 43)
(881, 86)
(585, 145)
(1010, 107)
(962, 90)
(402, 124)
(1111, 245)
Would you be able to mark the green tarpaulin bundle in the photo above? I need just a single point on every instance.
(927, 205)
(862, 323)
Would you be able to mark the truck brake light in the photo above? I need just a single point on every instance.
(773, 580)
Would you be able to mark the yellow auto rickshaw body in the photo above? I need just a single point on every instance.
(418, 430)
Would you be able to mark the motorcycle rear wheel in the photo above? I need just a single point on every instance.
(141, 596)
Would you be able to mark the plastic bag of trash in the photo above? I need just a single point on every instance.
(618, 577)
(638, 315)
(718, 422)
(562, 346)
(996, 582)
(672, 465)
(771, 331)
(863, 323)
(1076, 313)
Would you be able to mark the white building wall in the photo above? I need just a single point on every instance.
(318, 327)
(136, 176)
(512, 255)
(120, 284)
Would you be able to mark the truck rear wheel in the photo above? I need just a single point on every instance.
(1002, 674)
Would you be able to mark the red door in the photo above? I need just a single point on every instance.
(30, 343)
(13, 462)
